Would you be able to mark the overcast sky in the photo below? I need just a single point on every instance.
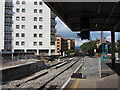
(65, 32)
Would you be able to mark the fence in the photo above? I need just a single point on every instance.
(17, 58)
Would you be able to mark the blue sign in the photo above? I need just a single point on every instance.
(104, 52)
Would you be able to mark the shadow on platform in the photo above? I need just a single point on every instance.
(116, 69)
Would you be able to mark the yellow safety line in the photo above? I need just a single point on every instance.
(76, 84)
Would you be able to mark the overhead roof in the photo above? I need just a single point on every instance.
(95, 15)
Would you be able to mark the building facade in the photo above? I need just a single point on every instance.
(71, 43)
(58, 44)
(27, 26)
(63, 44)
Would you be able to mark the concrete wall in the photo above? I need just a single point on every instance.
(21, 71)
(2, 24)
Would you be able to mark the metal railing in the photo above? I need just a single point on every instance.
(9, 12)
(8, 29)
(8, 38)
(8, 47)
(8, 4)
(53, 30)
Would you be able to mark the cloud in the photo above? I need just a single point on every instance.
(108, 38)
(79, 42)
(95, 35)
(65, 32)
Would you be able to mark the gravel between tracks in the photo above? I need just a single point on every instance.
(43, 79)
(61, 79)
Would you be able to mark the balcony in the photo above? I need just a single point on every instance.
(8, 29)
(8, 38)
(53, 23)
(53, 30)
(8, 20)
(52, 39)
(8, 12)
(8, 47)
(8, 4)
(53, 15)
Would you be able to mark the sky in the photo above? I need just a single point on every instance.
(65, 32)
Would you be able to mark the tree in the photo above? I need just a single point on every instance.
(70, 51)
(88, 46)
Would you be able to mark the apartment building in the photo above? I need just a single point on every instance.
(63, 44)
(71, 43)
(58, 44)
(27, 26)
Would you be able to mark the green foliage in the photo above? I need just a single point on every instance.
(86, 47)
(70, 51)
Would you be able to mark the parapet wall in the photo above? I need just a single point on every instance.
(20, 71)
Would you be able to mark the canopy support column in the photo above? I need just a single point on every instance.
(113, 48)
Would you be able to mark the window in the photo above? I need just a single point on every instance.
(23, 10)
(17, 10)
(22, 43)
(35, 43)
(40, 43)
(17, 26)
(17, 18)
(40, 11)
(17, 2)
(23, 18)
(35, 35)
(35, 10)
(40, 19)
(40, 35)
(35, 3)
(52, 43)
(35, 18)
(23, 26)
(40, 26)
(17, 42)
(35, 26)
(40, 3)
(17, 34)
(23, 35)
(23, 2)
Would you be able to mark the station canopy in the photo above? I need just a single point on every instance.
(94, 15)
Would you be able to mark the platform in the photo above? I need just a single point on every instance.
(109, 80)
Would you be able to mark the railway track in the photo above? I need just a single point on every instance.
(40, 79)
